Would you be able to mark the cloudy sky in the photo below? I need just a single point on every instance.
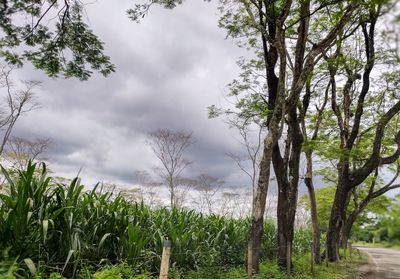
(169, 69)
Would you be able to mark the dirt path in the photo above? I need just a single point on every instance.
(384, 263)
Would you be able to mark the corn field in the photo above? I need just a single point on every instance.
(48, 227)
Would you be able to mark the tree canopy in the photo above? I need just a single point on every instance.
(53, 35)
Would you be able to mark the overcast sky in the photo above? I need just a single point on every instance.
(169, 69)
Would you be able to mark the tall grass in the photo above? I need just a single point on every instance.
(47, 226)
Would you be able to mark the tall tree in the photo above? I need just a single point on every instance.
(169, 147)
(363, 142)
(281, 40)
(310, 135)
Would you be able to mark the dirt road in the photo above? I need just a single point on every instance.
(385, 262)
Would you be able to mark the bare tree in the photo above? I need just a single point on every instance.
(142, 177)
(15, 102)
(228, 203)
(252, 142)
(133, 194)
(208, 186)
(150, 194)
(18, 151)
(182, 188)
(169, 146)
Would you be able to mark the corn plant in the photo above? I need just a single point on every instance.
(46, 227)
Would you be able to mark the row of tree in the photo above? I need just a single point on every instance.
(309, 55)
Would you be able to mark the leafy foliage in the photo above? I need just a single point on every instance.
(53, 36)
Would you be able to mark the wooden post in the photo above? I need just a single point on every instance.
(312, 258)
(250, 260)
(288, 258)
(165, 259)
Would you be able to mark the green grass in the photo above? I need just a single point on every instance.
(343, 269)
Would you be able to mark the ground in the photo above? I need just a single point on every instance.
(384, 263)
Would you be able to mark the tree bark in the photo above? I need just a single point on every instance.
(346, 229)
(287, 189)
(336, 221)
(313, 204)
(256, 229)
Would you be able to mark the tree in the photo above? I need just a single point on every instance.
(250, 127)
(20, 151)
(365, 113)
(324, 200)
(18, 99)
(320, 104)
(208, 186)
(252, 147)
(283, 38)
(234, 204)
(183, 186)
(363, 197)
(169, 147)
(53, 36)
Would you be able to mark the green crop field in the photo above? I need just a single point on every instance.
(47, 227)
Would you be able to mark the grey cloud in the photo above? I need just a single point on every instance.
(170, 68)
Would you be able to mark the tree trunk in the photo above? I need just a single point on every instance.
(285, 228)
(172, 192)
(274, 121)
(348, 224)
(256, 230)
(336, 222)
(287, 174)
(257, 221)
(314, 216)
(345, 234)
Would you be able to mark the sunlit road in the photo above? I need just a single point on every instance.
(386, 261)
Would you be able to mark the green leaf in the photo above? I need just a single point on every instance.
(31, 266)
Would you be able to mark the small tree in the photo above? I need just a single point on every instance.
(208, 186)
(19, 151)
(169, 146)
(15, 101)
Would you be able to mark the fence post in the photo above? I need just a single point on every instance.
(288, 258)
(250, 259)
(165, 259)
(312, 258)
